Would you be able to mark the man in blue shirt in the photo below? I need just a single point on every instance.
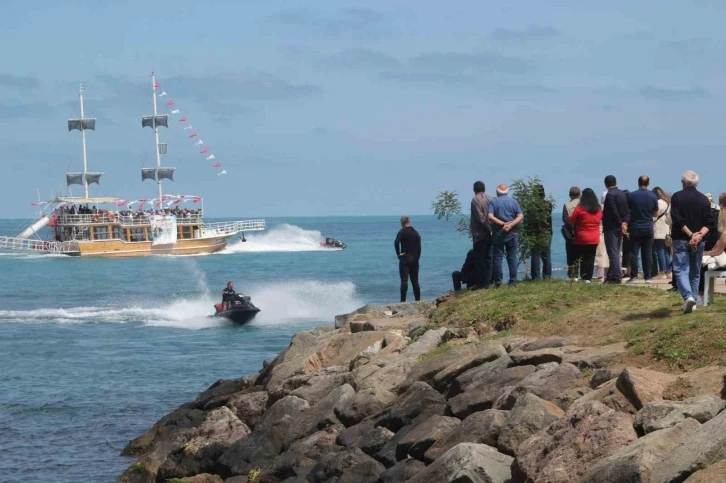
(643, 205)
(504, 215)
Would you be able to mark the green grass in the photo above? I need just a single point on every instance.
(434, 353)
(648, 319)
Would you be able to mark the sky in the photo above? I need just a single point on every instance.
(344, 108)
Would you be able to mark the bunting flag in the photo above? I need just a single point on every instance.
(197, 199)
(122, 202)
(38, 203)
(157, 85)
(194, 134)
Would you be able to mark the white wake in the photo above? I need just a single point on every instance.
(283, 238)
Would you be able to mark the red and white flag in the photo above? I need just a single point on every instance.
(157, 85)
(211, 157)
(217, 165)
(121, 202)
(183, 119)
(197, 199)
(193, 135)
(169, 102)
(205, 150)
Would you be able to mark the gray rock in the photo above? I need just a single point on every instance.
(641, 386)
(636, 461)
(200, 478)
(547, 384)
(366, 436)
(174, 430)
(602, 375)
(422, 436)
(302, 456)
(488, 374)
(419, 399)
(347, 463)
(429, 341)
(482, 427)
(565, 400)
(319, 385)
(567, 449)
(249, 408)
(401, 471)
(425, 370)
(712, 474)
(319, 416)
(529, 414)
(595, 357)
(415, 327)
(397, 310)
(258, 449)
(364, 403)
(221, 388)
(287, 406)
(609, 395)
(533, 358)
(545, 343)
(547, 366)
(664, 414)
(482, 354)
(703, 448)
(467, 462)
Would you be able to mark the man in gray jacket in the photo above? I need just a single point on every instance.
(481, 234)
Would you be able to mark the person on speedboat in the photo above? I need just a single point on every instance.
(228, 295)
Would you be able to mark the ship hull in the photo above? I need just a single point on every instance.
(120, 248)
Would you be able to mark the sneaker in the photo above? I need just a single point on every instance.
(631, 280)
(649, 281)
(587, 281)
(688, 305)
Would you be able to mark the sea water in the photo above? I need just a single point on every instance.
(94, 351)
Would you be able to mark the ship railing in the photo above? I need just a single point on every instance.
(25, 244)
(231, 227)
(126, 220)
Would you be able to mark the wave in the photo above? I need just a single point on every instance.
(281, 303)
(283, 238)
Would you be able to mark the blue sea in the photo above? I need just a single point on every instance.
(94, 351)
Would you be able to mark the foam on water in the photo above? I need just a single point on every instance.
(283, 238)
(281, 303)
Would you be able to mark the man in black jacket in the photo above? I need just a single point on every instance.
(615, 217)
(481, 235)
(467, 274)
(408, 250)
(691, 219)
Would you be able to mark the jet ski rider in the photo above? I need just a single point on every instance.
(228, 295)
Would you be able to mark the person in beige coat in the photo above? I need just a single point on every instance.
(662, 231)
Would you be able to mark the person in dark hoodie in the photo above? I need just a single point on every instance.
(408, 251)
(467, 274)
(540, 224)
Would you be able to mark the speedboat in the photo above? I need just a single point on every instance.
(333, 243)
(240, 311)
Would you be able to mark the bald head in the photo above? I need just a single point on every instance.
(502, 189)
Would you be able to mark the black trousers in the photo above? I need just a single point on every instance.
(613, 242)
(483, 261)
(409, 270)
(456, 278)
(570, 252)
(641, 240)
(585, 254)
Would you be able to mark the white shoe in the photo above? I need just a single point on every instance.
(688, 305)
(649, 281)
(587, 281)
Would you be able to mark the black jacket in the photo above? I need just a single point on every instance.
(616, 211)
(690, 208)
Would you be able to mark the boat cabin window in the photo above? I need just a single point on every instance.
(100, 233)
(137, 235)
(186, 232)
(119, 233)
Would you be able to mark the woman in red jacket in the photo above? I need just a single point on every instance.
(586, 219)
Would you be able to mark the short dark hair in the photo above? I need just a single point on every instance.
(574, 192)
(643, 181)
(229, 283)
(479, 187)
(610, 181)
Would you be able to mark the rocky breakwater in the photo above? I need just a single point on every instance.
(385, 397)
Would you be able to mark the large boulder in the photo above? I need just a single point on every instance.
(596, 357)
(421, 437)
(529, 414)
(221, 389)
(318, 385)
(481, 375)
(401, 471)
(697, 452)
(565, 400)
(425, 369)
(364, 403)
(259, 448)
(419, 399)
(302, 455)
(664, 414)
(636, 461)
(700, 382)
(202, 478)
(483, 427)
(483, 353)
(173, 430)
(250, 407)
(409, 309)
(287, 406)
(544, 343)
(467, 462)
(567, 449)
(641, 386)
(366, 436)
(344, 465)
(609, 395)
(320, 416)
(547, 384)
(712, 474)
(217, 432)
(536, 357)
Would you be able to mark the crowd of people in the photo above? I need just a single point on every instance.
(86, 210)
(607, 238)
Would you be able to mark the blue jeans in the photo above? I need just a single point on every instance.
(613, 243)
(641, 238)
(544, 253)
(508, 242)
(687, 267)
(664, 255)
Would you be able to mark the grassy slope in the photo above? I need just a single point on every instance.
(648, 319)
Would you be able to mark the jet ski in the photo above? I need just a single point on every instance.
(240, 311)
(333, 243)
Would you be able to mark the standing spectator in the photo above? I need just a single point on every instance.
(505, 214)
(540, 224)
(691, 218)
(615, 219)
(408, 250)
(643, 205)
(568, 231)
(481, 235)
(586, 219)
(662, 231)
(625, 249)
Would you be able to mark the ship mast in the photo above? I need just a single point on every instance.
(82, 124)
(154, 122)
(83, 143)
